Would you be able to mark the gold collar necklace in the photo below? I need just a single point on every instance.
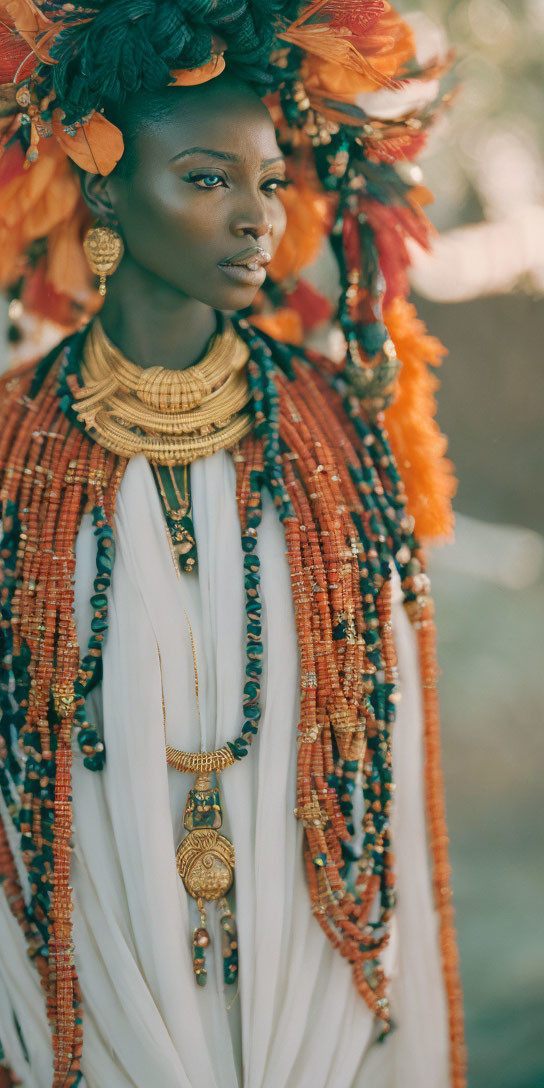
(171, 416)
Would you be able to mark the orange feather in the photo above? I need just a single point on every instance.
(416, 439)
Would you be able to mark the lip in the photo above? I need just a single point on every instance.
(251, 258)
(251, 277)
(248, 266)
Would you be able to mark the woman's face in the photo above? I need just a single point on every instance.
(198, 201)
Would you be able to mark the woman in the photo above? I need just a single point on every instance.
(202, 534)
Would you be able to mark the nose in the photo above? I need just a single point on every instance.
(256, 231)
(253, 223)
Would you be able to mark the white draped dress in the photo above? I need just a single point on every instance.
(296, 1020)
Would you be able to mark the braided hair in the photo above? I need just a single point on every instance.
(110, 49)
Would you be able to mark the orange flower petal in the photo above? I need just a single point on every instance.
(190, 77)
(96, 146)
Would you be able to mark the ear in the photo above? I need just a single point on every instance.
(95, 189)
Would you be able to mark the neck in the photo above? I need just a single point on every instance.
(152, 323)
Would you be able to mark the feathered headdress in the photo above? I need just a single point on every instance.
(352, 104)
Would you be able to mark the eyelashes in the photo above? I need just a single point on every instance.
(208, 180)
(200, 181)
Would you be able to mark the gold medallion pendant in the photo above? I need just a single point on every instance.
(205, 862)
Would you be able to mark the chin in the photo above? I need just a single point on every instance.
(226, 290)
(240, 303)
(229, 302)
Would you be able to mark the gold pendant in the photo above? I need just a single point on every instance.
(205, 862)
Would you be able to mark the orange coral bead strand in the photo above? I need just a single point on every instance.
(436, 812)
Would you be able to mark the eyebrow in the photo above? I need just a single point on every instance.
(224, 156)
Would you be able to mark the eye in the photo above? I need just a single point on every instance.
(273, 184)
(207, 181)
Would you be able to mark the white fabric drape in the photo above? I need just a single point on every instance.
(297, 1021)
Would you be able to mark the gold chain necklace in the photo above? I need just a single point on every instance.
(205, 860)
(171, 416)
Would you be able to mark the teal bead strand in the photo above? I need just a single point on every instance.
(229, 942)
(90, 671)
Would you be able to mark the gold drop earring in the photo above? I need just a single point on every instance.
(104, 251)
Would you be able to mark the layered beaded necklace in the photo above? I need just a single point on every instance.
(341, 502)
(340, 553)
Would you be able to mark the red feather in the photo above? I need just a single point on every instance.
(358, 18)
(311, 306)
(13, 52)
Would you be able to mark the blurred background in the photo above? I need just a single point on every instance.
(481, 290)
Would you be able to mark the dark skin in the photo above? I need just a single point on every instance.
(181, 212)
